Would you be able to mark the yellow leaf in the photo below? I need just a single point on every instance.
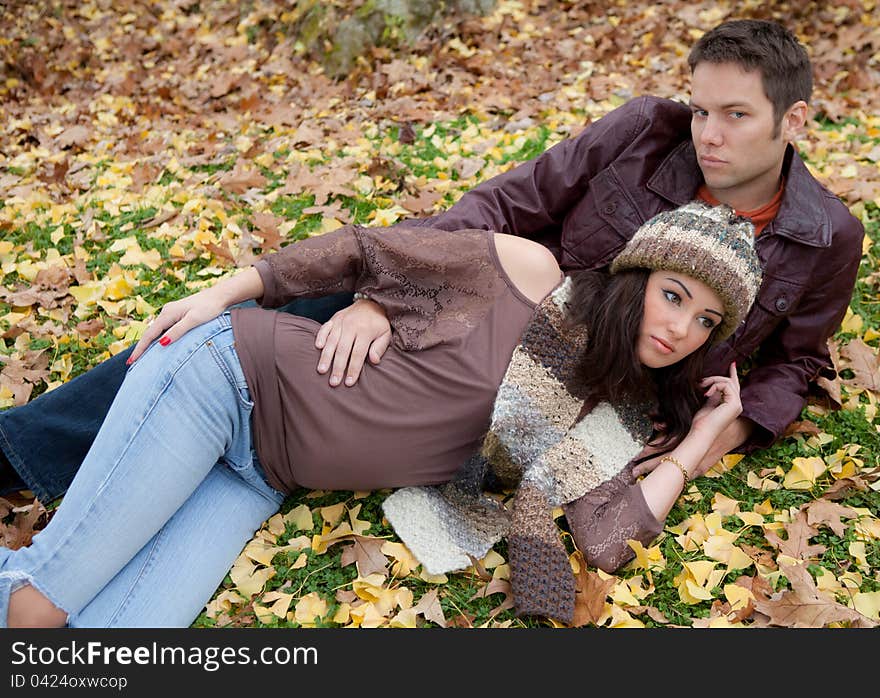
(280, 602)
(276, 524)
(223, 603)
(247, 578)
(309, 608)
(851, 322)
(300, 517)
(803, 473)
(750, 518)
(724, 464)
(333, 513)
(867, 603)
(328, 224)
(764, 484)
(405, 562)
(737, 596)
(724, 505)
(358, 526)
(857, 551)
(134, 255)
(388, 216)
(343, 614)
(492, 559)
(621, 619)
(646, 558)
(300, 562)
(765, 507)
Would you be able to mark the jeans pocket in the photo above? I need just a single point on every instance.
(252, 473)
(227, 359)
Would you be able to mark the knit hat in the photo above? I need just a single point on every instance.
(709, 243)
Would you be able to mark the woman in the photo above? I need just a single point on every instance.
(223, 415)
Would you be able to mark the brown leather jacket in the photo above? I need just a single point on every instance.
(585, 197)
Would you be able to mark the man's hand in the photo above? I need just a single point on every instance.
(347, 338)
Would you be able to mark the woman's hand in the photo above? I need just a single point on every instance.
(179, 317)
(722, 404)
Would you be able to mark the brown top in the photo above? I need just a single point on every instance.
(417, 416)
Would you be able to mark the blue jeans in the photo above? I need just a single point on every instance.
(167, 496)
(43, 442)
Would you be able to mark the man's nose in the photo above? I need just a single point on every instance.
(711, 133)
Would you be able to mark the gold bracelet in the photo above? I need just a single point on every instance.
(684, 473)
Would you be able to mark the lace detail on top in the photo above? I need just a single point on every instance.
(434, 285)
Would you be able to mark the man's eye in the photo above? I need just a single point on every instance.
(699, 112)
(737, 114)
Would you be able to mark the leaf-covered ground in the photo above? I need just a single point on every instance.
(149, 148)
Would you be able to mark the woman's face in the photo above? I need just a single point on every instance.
(680, 313)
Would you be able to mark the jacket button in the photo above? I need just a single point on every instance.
(781, 304)
(610, 208)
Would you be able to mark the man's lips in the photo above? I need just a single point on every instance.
(711, 160)
(662, 346)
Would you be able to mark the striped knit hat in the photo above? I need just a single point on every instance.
(709, 243)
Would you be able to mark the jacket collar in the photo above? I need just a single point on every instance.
(801, 217)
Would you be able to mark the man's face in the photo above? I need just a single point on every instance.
(733, 132)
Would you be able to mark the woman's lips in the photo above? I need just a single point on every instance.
(661, 345)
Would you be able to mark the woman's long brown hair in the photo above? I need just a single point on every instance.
(611, 307)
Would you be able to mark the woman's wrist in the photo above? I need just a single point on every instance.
(243, 286)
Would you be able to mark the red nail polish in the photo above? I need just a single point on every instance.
(128, 361)
(165, 341)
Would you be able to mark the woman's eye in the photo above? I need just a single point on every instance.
(672, 296)
(707, 323)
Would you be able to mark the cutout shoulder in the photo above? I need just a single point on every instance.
(531, 267)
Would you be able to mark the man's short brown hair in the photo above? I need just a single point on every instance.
(753, 44)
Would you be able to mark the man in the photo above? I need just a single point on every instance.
(584, 198)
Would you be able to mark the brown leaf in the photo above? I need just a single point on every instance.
(802, 427)
(26, 519)
(90, 328)
(423, 203)
(74, 135)
(797, 544)
(240, 179)
(267, 225)
(406, 134)
(429, 606)
(832, 387)
(367, 555)
(481, 571)
(759, 555)
(589, 600)
(804, 606)
(822, 511)
(842, 487)
(864, 362)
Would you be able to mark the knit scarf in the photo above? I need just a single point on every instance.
(549, 444)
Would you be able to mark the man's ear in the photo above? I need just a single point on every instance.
(794, 121)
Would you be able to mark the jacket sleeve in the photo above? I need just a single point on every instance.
(536, 195)
(433, 284)
(775, 390)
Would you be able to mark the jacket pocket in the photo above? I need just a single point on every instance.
(777, 298)
(600, 224)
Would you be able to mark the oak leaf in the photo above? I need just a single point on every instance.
(823, 511)
(797, 544)
(804, 606)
